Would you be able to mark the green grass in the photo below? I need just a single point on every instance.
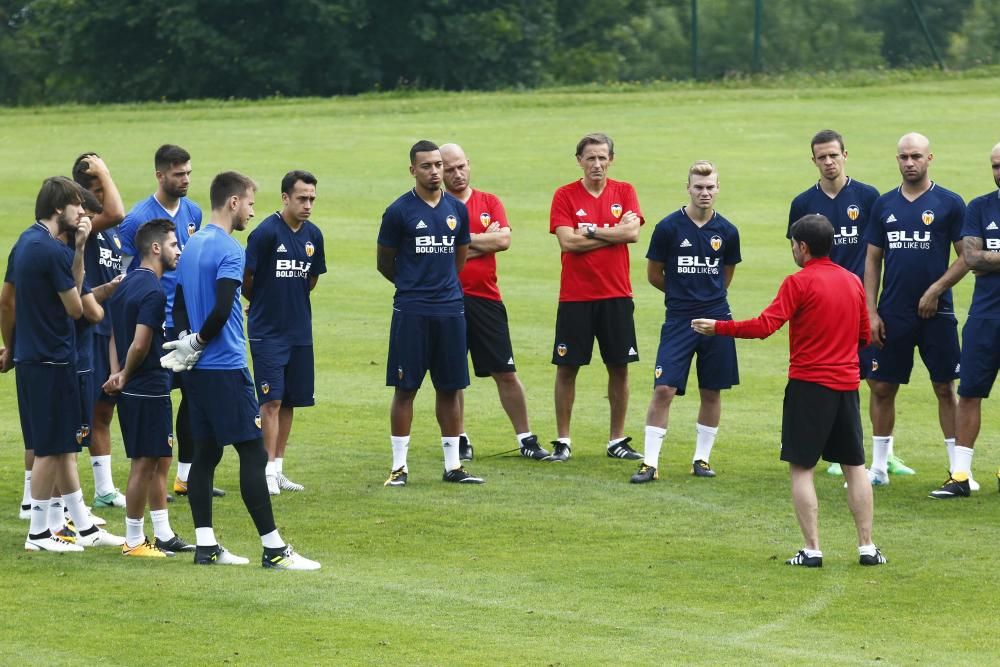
(545, 564)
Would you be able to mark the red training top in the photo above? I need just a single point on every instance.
(602, 273)
(479, 277)
(829, 324)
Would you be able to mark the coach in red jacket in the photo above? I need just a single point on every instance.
(829, 322)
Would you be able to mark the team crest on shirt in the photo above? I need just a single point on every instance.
(716, 242)
(191, 229)
(451, 221)
(484, 219)
(310, 249)
(616, 210)
(265, 388)
(561, 349)
(927, 216)
(658, 372)
(853, 212)
(256, 420)
(118, 241)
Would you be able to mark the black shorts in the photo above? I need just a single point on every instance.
(609, 320)
(48, 400)
(222, 406)
(818, 421)
(488, 336)
(147, 424)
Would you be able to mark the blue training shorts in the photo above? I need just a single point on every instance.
(48, 401)
(679, 343)
(980, 357)
(421, 343)
(283, 373)
(147, 424)
(222, 406)
(936, 339)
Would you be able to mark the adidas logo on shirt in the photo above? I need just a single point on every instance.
(685, 243)
(581, 213)
(992, 226)
(891, 218)
(421, 225)
(281, 248)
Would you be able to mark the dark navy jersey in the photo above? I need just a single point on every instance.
(43, 267)
(694, 258)
(140, 299)
(916, 238)
(425, 238)
(84, 332)
(282, 262)
(211, 255)
(848, 212)
(982, 220)
(188, 221)
(102, 260)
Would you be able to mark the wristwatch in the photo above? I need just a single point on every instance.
(591, 230)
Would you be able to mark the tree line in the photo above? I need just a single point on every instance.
(55, 51)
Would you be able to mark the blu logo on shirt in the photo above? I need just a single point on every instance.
(433, 245)
(909, 240)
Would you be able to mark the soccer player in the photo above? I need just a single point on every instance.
(144, 409)
(594, 219)
(422, 246)
(285, 258)
(847, 204)
(912, 230)
(173, 178)
(692, 258)
(48, 278)
(981, 333)
(102, 262)
(825, 305)
(223, 406)
(487, 333)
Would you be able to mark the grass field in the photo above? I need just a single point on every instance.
(546, 564)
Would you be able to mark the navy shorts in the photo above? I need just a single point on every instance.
(48, 400)
(421, 343)
(222, 406)
(679, 343)
(102, 369)
(819, 421)
(147, 425)
(936, 338)
(980, 357)
(87, 397)
(283, 373)
(611, 321)
(488, 336)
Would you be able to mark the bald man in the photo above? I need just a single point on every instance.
(911, 233)
(487, 333)
(981, 334)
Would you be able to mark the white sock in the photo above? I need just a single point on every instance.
(704, 441)
(880, 452)
(270, 470)
(813, 553)
(205, 537)
(272, 540)
(101, 465)
(866, 549)
(450, 447)
(26, 494)
(39, 516)
(77, 510)
(963, 460)
(161, 524)
(612, 443)
(651, 446)
(183, 470)
(134, 532)
(279, 464)
(949, 444)
(565, 441)
(522, 436)
(400, 445)
(56, 520)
